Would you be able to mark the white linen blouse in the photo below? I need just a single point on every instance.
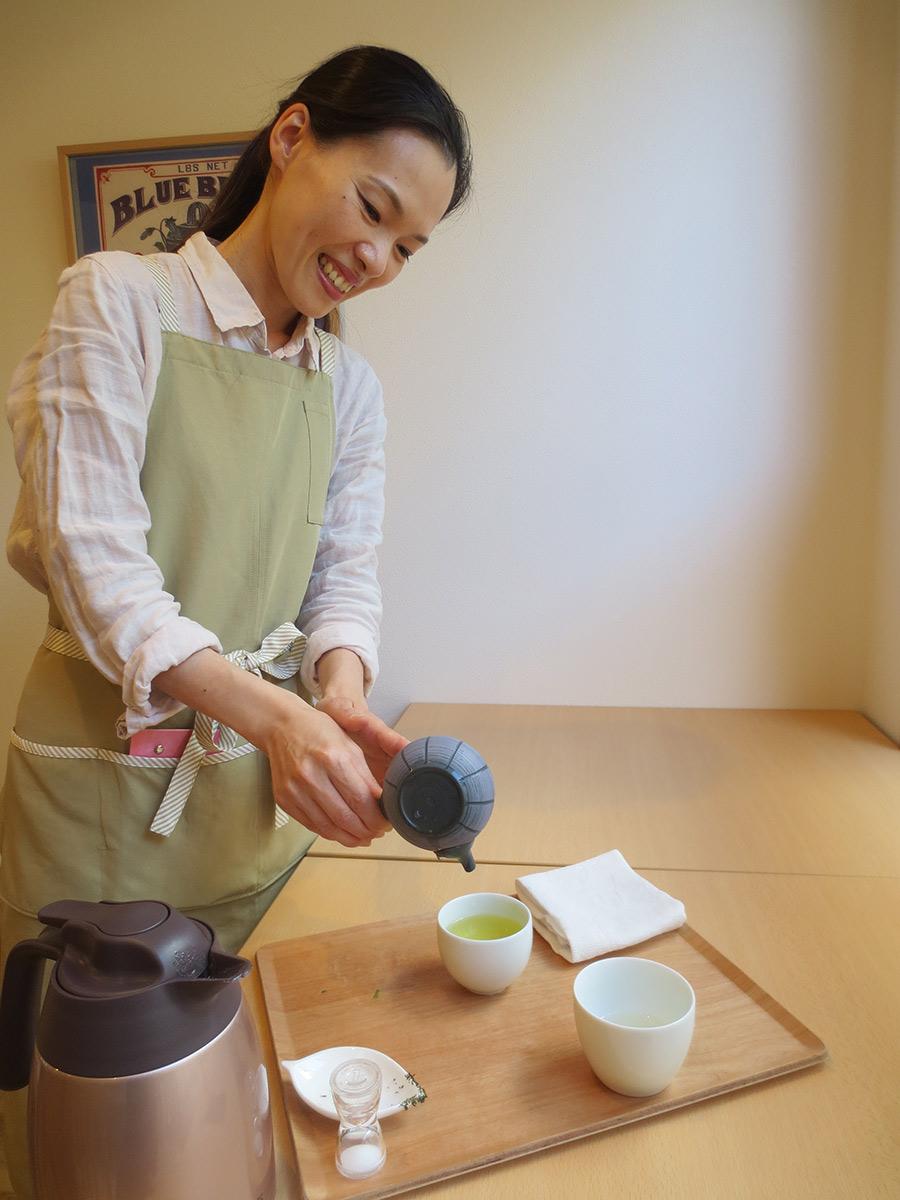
(80, 526)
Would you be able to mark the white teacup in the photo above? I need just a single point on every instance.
(635, 1021)
(496, 955)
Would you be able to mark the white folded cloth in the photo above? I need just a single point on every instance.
(597, 906)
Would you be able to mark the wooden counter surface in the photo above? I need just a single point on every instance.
(688, 789)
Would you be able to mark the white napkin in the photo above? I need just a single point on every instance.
(597, 906)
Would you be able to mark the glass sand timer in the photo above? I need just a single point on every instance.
(356, 1088)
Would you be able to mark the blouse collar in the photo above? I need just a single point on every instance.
(230, 304)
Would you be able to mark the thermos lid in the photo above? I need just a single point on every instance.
(136, 986)
(125, 949)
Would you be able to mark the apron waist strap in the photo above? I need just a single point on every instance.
(60, 641)
(279, 657)
(100, 754)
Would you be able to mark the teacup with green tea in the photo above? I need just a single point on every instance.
(484, 940)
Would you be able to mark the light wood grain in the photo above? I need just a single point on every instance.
(825, 948)
(690, 789)
(383, 985)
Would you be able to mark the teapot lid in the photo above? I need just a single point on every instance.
(137, 985)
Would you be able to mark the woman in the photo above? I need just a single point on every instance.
(197, 458)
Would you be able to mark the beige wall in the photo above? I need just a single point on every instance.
(641, 450)
(881, 695)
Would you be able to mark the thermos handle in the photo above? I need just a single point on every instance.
(20, 1003)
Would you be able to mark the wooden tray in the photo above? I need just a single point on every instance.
(504, 1075)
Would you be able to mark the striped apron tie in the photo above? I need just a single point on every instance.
(279, 656)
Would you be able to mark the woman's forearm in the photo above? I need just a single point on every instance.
(340, 674)
(320, 775)
(239, 699)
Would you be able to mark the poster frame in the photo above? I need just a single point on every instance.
(80, 169)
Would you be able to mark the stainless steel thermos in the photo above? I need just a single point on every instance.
(146, 1078)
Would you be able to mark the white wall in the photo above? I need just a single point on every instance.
(637, 393)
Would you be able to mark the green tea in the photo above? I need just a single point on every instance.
(485, 927)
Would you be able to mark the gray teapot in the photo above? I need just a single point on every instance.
(438, 794)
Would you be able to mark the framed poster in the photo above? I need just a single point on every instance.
(142, 196)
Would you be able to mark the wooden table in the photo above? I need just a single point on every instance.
(823, 942)
(690, 789)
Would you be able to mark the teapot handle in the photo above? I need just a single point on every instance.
(20, 1002)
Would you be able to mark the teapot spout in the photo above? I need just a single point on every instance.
(462, 853)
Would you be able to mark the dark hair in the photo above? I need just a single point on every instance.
(359, 92)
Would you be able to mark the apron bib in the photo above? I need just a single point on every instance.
(238, 457)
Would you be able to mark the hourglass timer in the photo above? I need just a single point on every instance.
(356, 1088)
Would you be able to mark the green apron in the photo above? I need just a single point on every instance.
(238, 457)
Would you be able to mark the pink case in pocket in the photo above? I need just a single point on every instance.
(161, 743)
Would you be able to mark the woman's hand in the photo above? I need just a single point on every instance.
(320, 773)
(321, 776)
(378, 742)
(340, 675)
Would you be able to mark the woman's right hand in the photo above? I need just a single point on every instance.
(320, 776)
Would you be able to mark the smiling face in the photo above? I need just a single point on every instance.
(340, 219)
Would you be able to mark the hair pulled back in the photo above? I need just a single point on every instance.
(360, 92)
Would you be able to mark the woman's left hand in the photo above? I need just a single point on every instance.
(340, 674)
(378, 742)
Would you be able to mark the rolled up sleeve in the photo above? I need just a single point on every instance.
(78, 412)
